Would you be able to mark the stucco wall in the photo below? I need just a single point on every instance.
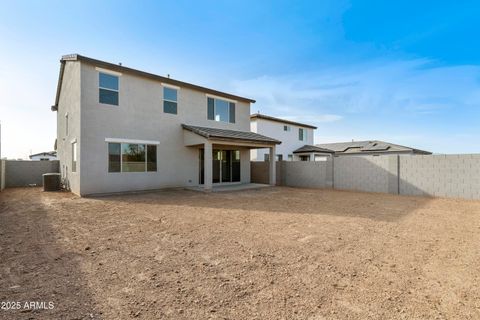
(275, 130)
(140, 116)
(21, 173)
(69, 103)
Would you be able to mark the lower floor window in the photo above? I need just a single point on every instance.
(131, 157)
(74, 157)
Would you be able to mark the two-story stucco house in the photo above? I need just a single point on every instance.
(295, 137)
(121, 129)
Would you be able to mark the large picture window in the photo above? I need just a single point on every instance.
(132, 157)
(220, 110)
(170, 100)
(151, 157)
(114, 157)
(108, 88)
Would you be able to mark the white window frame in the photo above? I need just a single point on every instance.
(215, 98)
(287, 127)
(146, 158)
(163, 96)
(112, 73)
(221, 98)
(132, 141)
(304, 134)
(171, 86)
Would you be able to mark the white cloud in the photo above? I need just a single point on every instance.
(412, 102)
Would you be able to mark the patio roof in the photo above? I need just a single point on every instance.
(230, 135)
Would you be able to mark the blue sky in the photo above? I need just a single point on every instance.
(405, 71)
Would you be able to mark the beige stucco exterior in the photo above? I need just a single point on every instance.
(290, 140)
(139, 116)
(69, 105)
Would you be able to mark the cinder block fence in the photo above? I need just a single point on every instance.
(455, 176)
(21, 173)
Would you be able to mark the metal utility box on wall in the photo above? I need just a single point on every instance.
(51, 181)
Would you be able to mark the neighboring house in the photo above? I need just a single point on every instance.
(373, 147)
(121, 129)
(44, 156)
(312, 153)
(293, 135)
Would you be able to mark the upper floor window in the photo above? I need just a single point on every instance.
(302, 134)
(220, 110)
(286, 128)
(108, 88)
(170, 100)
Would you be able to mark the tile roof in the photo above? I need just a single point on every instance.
(123, 69)
(262, 116)
(368, 146)
(308, 148)
(224, 134)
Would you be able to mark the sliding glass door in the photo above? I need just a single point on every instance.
(225, 166)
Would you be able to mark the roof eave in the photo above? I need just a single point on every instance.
(123, 69)
(59, 85)
(245, 140)
(222, 138)
(279, 120)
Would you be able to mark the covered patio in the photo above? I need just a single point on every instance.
(224, 155)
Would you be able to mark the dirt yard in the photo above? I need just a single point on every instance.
(275, 253)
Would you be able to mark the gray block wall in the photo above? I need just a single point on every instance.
(259, 172)
(307, 174)
(366, 173)
(21, 173)
(456, 176)
(2, 175)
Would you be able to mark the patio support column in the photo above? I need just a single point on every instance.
(271, 170)
(207, 163)
(312, 156)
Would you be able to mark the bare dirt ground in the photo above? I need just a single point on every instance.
(275, 253)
